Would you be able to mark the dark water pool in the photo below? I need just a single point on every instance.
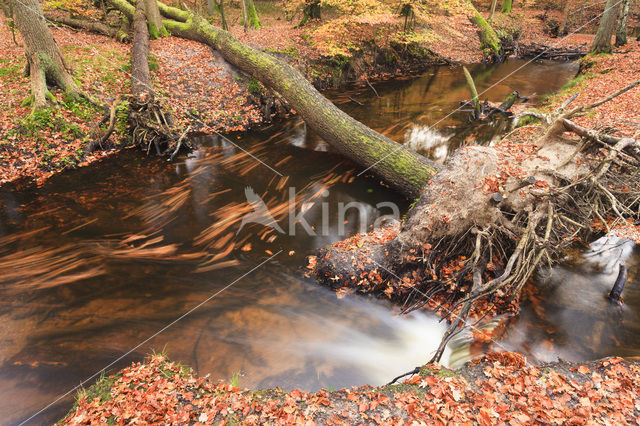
(98, 260)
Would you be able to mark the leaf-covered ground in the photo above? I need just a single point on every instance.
(497, 389)
(37, 145)
(204, 92)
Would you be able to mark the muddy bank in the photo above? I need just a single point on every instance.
(497, 388)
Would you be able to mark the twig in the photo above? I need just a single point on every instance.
(179, 143)
(372, 88)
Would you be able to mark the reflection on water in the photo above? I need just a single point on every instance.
(99, 259)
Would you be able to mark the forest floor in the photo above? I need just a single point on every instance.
(498, 388)
(201, 89)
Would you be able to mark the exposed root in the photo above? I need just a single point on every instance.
(490, 219)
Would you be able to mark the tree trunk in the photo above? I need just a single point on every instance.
(45, 61)
(602, 41)
(83, 24)
(250, 15)
(222, 17)
(562, 29)
(507, 6)
(489, 40)
(621, 32)
(494, 4)
(474, 92)
(156, 28)
(245, 21)
(401, 168)
(140, 74)
(312, 11)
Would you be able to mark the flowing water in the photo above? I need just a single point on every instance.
(98, 260)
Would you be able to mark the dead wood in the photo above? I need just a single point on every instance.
(490, 218)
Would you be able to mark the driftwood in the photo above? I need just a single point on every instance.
(484, 110)
(618, 286)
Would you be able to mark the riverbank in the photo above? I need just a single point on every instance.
(204, 92)
(600, 76)
(497, 388)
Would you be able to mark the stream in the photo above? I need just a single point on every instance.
(97, 260)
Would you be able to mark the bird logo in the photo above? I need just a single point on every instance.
(260, 213)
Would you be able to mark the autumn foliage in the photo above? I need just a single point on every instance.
(501, 388)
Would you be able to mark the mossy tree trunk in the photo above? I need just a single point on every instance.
(156, 28)
(46, 64)
(474, 92)
(310, 12)
(507, 6)
(489, 40)
(250, 16)
(621, 32)
(602, 41)
(398, 166)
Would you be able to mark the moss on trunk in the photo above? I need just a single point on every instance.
(489, 40)
(401, 168)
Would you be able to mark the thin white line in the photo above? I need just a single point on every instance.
(147, 340)
(148, 86)
(247, 152)
(400, 146)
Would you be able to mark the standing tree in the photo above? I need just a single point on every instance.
(220, 5)
(621, 32)
(507, 6)
(310, 11)
(44, 59)
(156, 28)
(250, 15)
(564, 23)
(494, 3)
(602, 41)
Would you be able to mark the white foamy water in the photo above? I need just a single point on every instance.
(424, 139)
(377, 343)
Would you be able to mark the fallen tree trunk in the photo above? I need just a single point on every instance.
(401, 168)
(82, 24)
(488, 219)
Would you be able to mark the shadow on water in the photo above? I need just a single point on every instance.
(98, 259)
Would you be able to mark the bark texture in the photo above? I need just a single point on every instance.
(489, 40)
(602, 41)
(45, 61)
(156, 28)
(83, 24)
(140, 74)
(251, 18)
(398, 166)
(621, 31)
(507, 6)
